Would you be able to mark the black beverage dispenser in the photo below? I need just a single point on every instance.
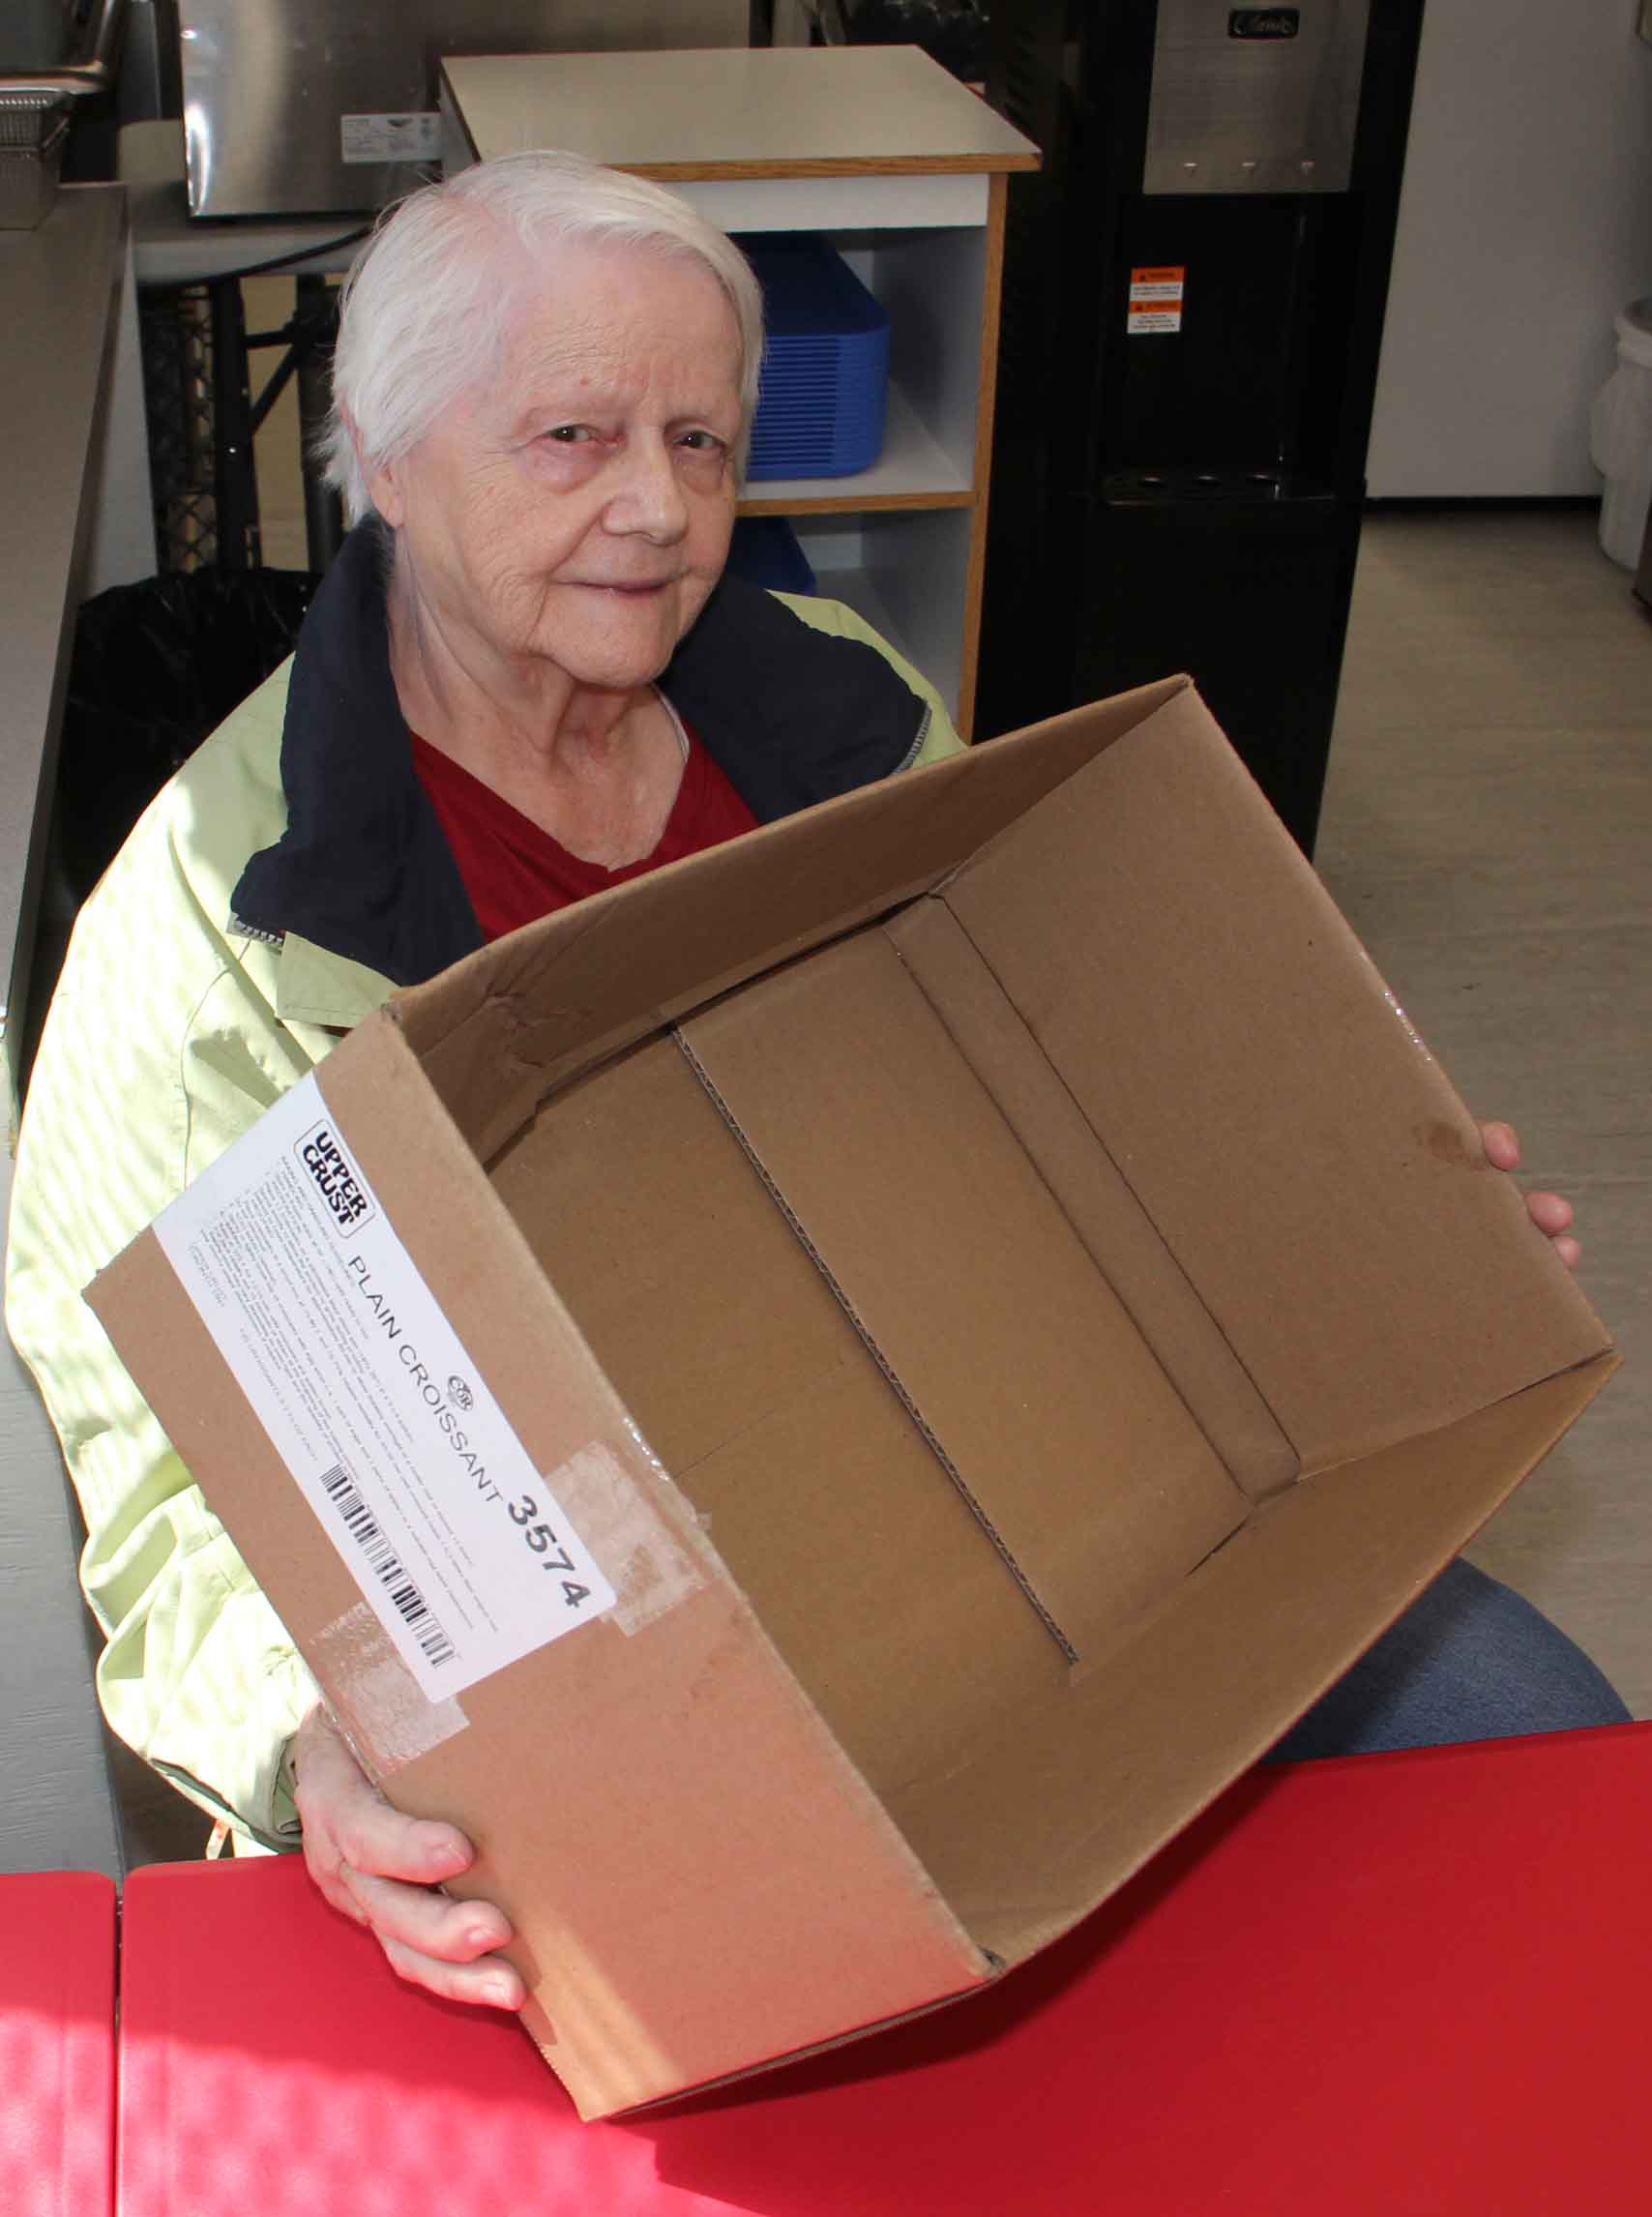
(1193, 296)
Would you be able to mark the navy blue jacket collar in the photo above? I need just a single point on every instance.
(791, 715)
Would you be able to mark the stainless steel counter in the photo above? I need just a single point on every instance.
(59, 297)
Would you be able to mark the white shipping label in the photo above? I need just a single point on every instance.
(411, 138)
(375, 1405)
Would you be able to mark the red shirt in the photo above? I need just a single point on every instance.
(515, 872)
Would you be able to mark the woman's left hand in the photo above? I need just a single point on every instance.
(1552, 1213)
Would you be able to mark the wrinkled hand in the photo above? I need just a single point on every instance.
(1552, 1213)
(379, 1867)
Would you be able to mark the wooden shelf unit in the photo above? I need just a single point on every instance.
(905, 170)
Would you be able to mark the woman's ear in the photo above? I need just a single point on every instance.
(384, 491)
(382, 483)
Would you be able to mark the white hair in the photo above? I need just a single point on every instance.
(423, 316)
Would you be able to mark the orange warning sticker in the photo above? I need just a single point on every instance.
(1154, 300)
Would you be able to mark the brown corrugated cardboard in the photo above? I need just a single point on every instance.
(1010, 1308)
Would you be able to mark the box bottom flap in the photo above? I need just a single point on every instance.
(958, 1267)
(1066, 1798)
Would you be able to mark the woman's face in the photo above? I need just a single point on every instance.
(577, 511)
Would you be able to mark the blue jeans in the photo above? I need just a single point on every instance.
(1470, 1661)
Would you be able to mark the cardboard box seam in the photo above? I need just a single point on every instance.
(663, 2104)
(1607, 1355)
(1144, 1324)
(840, 1295)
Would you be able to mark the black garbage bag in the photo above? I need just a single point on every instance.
(156, 666)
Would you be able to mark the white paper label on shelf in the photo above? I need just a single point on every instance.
(375, 1405)
(407, 137)
(1155, 301)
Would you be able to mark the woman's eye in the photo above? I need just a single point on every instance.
(570, 434)
(701, 442)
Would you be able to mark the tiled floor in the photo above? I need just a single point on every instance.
(1488, 830)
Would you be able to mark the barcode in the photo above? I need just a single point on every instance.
(409, 1603)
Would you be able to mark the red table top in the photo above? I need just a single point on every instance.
(57, 2043)
(1356, 1989)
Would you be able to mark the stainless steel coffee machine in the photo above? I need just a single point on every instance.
(317, 106)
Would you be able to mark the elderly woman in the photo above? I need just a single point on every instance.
(525, 676)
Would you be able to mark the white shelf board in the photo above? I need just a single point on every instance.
(913, 467)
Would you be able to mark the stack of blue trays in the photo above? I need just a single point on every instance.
(826, 365)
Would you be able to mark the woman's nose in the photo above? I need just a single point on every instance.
(649, 499)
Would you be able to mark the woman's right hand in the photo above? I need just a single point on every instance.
(379, 1868)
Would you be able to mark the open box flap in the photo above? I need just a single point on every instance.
(499, 1032)
(1064, 1800)
(1309, 1164)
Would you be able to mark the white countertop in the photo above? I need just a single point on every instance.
(737, 112)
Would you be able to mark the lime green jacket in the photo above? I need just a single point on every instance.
(173, 1028)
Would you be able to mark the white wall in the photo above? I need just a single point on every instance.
(1524, 225)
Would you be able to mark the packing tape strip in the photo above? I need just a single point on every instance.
(376, 1700)
(648, 1568)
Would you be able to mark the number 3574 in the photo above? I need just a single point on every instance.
(526, 1515)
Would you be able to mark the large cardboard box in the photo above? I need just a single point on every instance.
(839, 1392)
